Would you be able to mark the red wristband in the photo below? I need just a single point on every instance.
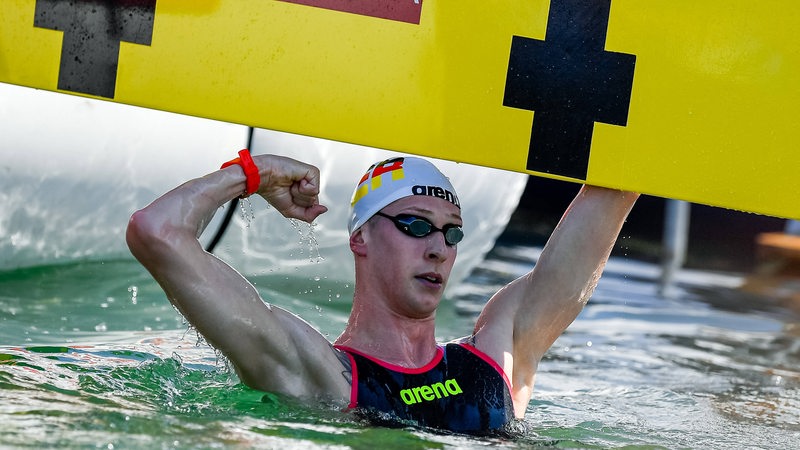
(250, 170)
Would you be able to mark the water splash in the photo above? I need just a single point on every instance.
(308, 240)
(248, 214)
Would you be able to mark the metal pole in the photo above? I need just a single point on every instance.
(674, 243)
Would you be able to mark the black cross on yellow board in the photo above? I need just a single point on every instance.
(570, 81)
(92, 33)
(546, 87)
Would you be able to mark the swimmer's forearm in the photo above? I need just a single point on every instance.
(192, 205)
(549, 297)
(570, 263)
(582, 242)
(175, 220)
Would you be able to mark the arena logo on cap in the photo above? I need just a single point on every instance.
(373, 179)
(436, 191)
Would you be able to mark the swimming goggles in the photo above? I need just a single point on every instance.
(418, 227)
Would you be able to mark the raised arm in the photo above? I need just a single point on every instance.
(270, 348)
(523, 319)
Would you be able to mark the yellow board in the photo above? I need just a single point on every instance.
(694, 100)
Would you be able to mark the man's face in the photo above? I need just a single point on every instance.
(411, 272)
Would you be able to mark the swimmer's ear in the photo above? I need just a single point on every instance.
(357, 243)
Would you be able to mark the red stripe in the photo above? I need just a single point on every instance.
(400, 10)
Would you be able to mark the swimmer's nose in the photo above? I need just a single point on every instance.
(437, 247)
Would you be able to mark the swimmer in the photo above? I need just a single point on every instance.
(405, 226)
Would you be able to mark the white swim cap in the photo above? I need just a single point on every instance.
(392, 180)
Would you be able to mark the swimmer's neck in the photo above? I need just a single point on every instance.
(402, 341)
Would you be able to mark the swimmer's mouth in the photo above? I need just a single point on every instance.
(431, 278)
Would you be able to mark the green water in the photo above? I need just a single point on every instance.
(93, 356)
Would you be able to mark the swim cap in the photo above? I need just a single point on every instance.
(392, 180)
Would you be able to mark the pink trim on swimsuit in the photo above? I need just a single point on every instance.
(353, 381)
(436, 358)
(396, 368)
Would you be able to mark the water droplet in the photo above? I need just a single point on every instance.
(134, 293)
(248, 214)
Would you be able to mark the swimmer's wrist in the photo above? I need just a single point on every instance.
(251, 173)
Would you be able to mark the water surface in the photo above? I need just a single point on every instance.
(93, 356)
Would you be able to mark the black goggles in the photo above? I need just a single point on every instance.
(418, 227)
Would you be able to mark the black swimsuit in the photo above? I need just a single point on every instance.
(460, 390)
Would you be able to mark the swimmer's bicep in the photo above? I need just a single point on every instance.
(523, 319)
(223, 306)
(271, 349)
(296, 360)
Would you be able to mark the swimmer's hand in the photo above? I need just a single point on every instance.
(290, 186)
